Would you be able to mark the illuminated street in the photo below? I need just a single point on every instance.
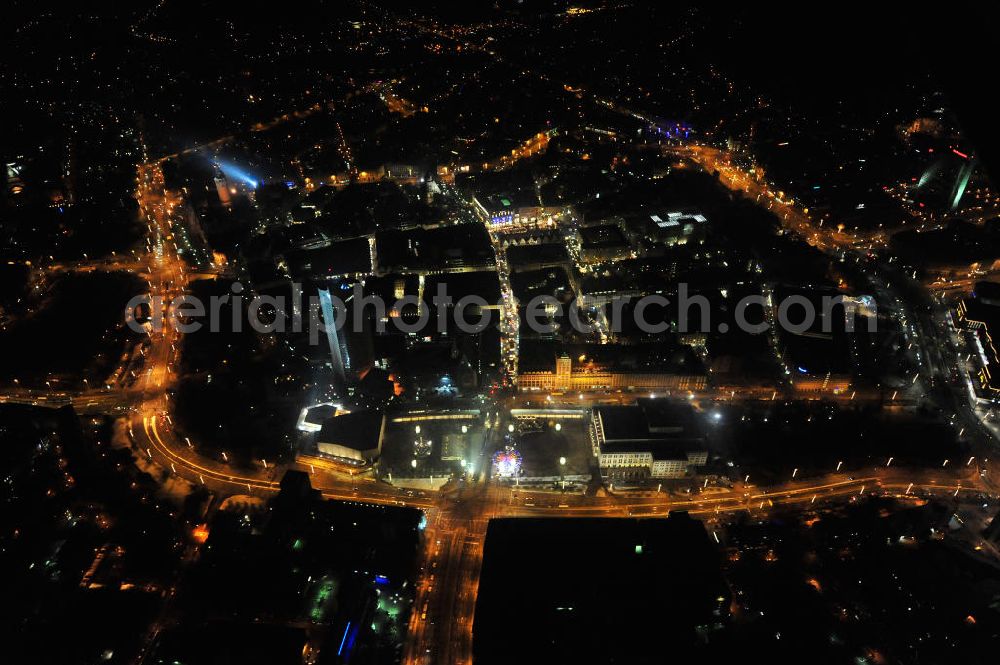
(375, 332)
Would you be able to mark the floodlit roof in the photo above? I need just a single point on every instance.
(677, 218)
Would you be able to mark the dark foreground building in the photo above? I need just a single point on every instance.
(597, 591)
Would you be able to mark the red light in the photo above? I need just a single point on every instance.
(960, 154)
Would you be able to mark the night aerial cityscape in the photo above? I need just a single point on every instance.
(515, 331)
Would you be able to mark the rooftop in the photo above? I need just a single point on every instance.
(660, 577)
(603, 235)
(666, 428)
(359, 430)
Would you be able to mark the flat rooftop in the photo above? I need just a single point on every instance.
(596, 590)
(603, 235)
(664, 427)
(358, 430)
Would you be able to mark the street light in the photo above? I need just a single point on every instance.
(413, 463)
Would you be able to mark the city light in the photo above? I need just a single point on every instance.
(507, 463)
(281, 252)
(232, 171)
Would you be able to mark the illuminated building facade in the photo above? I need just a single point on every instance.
(224, 191)
(655, 438)
(354, 438)
(979, 316)
(566, 378)
(516, 210)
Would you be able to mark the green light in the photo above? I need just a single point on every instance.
(928, 174)
(961, 183)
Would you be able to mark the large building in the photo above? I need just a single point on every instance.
(354, 438)
(588, 590)
(516, 209)
(603, 242)
(597, 377)
(655, 438)
(818, 359)
(980, 317)
(668, 228)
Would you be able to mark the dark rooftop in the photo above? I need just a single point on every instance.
(666, 428)
(652, 582)
(604, 235)
(544, 254)
(987, 293)
(658, 357)
(358, 430)
(339, 258)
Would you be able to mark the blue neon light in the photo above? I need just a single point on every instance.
(350, 640)
(344, 638)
